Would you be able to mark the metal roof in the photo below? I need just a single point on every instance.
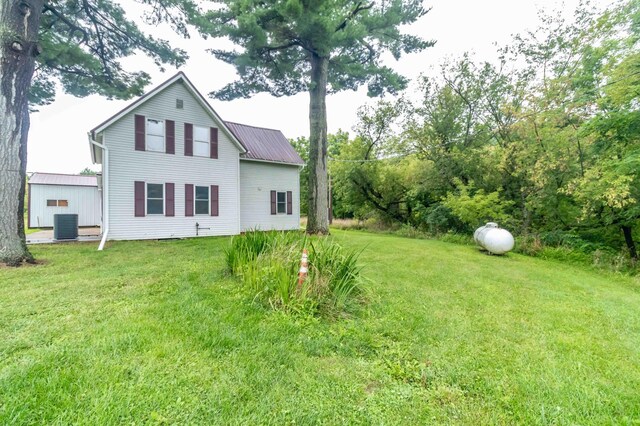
(61, 179)
(265, 144)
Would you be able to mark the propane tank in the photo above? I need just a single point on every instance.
(493, 238)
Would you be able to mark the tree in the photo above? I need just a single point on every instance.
(88, 172)
(320, 47)
(76, 45)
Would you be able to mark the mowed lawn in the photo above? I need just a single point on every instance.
(156, 332)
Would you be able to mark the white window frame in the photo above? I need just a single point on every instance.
(146, 199)
(195, 199)
(146, 134)
(197, 141)
(285, 202)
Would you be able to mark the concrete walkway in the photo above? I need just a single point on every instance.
(45, 236)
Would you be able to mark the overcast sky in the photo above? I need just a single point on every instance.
(58, 136)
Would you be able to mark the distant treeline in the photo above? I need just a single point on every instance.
(545, 142)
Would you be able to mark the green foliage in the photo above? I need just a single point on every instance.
(88, 172)
(545, 140)
(479, 208)
(268, 264)
(277, 41)
(84, 41)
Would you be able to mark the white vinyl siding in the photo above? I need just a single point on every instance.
(257, 180)
(126, 165)
(201, 141)
(155, 135)
(81, 200)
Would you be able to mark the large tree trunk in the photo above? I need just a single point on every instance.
(19, 21)
(318, 215)
(628, 238)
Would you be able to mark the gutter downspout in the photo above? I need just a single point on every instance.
(105, 191)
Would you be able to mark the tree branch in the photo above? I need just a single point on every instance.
(359, 8)
(72, 27)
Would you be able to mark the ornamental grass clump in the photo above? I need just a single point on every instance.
(268, 263)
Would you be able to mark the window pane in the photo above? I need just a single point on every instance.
(155, 127)
(201, 134)
(154, 190)
(201, 149)
(52, 203)
(63, 203)
(282, 197)
(155, 143)
(202, 193)
(154, 206)
(202, 207)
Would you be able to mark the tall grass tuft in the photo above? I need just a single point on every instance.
(267, 263)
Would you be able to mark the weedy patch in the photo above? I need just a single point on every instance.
(268, 265)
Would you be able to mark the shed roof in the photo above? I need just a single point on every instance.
(62, 179)
(264, 144)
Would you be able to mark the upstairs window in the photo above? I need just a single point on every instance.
(202, 200)
(155, 135)
(201, 141)
(155, 198)
(282, 202)
(57, 203)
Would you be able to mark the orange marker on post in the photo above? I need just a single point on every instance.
(304, 268)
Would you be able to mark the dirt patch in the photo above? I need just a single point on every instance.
(23, 264)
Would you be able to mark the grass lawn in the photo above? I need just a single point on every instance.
(156, 332)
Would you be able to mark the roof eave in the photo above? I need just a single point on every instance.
(283, 163)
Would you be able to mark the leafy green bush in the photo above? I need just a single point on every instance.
(268, 263)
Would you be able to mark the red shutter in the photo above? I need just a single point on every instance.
(140, 132)
(214, 200)
(169, 199)
(139, 198)
(274, 207)
(289, 202)
(188, 139)
(188, 199)
(170, 130)
(213, 152)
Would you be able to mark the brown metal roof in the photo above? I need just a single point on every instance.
(265, 144)
(61, 179)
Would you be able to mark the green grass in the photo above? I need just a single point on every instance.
(156, 332)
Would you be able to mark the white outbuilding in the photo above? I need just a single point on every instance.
(52, 193)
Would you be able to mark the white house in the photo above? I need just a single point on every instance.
(173, 168)
(53, 193)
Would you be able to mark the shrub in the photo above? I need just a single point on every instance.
(267, 263)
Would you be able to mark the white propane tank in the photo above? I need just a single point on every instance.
(494, 239)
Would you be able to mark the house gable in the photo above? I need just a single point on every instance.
(130, 171)
(195, 98)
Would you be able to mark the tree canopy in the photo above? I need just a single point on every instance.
(315, 46)
(546, 141)
(275, 40)
(83, 41)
